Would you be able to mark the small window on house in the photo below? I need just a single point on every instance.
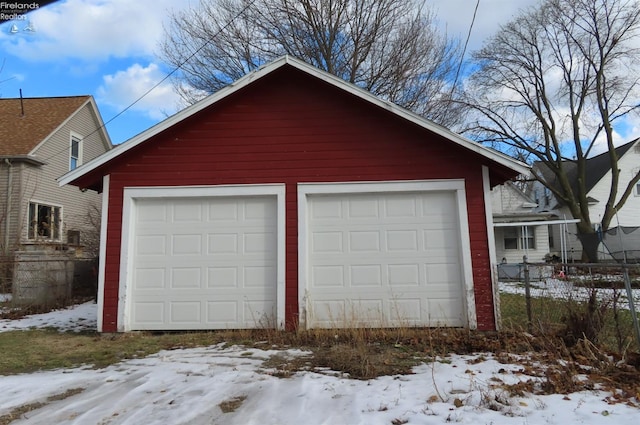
(519, 238)
(510, 238)
(44, 221)
(527, 237)
(75, 152)
(551, 241)
(638, 188)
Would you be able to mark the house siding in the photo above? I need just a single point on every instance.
(289, 129)
(505, 199)
(41, 184)
(629, 214)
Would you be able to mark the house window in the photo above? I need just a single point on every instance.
(528, 238)
(44, 221)
(75, 152)
(637, 189)
(510, 238)
(519, 237)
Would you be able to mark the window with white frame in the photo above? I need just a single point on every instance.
(637, 189)
(44, 221)
(519, 237)
(75, 152)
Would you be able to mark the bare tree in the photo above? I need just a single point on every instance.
(552, 84)
(388, 47)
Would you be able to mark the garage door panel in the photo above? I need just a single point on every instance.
(403, 275)
(407, 311)
(403, 206)
(365, 275)
(386, 257)
(185, 312)
(259, 314)
(327, 276)
(187, 211)
(186, 278)
(148, 313)
(401, 240)
(327, 242)
(326, 209)
(258, 276)
(256, 211)
(222, 243)
(204, 263)
(153, 211)
(149, 278)
(221, 313)
(259, 242)
(223, 210)
(152, 245)
(362, 207)
(223, 277)
(364, 241)
(440, 239)
(442, 273)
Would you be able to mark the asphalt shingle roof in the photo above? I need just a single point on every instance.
(19, 133)
(596, 166)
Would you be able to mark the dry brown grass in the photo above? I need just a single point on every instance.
(548, 364)
(232, 404)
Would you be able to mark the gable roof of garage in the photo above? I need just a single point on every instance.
(491, 154)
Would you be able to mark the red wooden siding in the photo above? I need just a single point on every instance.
(289, 128)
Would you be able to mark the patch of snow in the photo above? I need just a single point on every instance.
(190, 386)
(81, 317)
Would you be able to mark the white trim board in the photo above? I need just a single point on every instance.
(536, 223)
(104, 221)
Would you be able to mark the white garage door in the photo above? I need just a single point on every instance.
(203, 263)
(384, 259)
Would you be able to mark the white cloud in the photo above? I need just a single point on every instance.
(456, 16)
(124, 87)
(93, 30)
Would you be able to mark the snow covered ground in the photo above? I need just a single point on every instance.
(229, 385)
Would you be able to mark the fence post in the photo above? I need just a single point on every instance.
(527, 292)
(632, 307)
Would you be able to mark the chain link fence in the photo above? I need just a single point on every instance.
(597, 302)
(40, 282)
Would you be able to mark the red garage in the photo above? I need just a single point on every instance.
(292, 197)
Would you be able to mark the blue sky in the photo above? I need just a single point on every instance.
(105, 48)
(108, 49)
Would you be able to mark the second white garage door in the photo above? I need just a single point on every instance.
(203, 263)
(384, 260)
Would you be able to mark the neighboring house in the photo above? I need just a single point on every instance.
(536, 224)
(519, 230)
(293, 198)
(40, 140)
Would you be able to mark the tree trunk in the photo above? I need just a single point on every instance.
(590, 242)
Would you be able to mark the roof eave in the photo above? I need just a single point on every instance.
(28, 159)
(495, 156)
